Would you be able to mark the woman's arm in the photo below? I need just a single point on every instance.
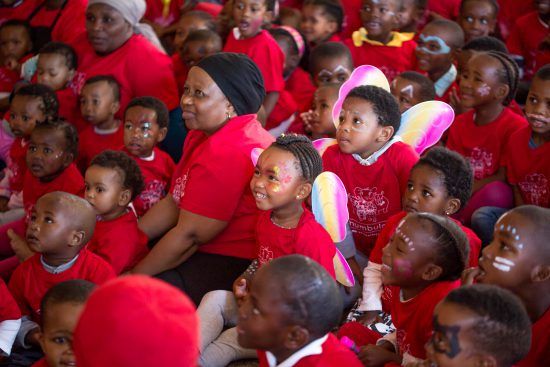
(191, 231)
(160, 218)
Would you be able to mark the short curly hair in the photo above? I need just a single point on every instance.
(455, 171)
(384, 104)
(67, 129)
(311, 164)
(132, 179)
(63, 49)
(332, 8)
(154, 104)
(50, 104)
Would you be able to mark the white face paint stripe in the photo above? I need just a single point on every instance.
(500, 267)
(504, 261)
(409, 89)
(503, 264)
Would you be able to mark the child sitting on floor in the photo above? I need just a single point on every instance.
(478, 18)
(411, 88)
(289, 313)
(112, 181)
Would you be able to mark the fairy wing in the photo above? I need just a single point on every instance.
(255, 154)
(321, 145)
(423, 124)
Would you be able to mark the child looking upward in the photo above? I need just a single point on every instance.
(321, 21)
(15, 48)
(411, 88)
(478, 18)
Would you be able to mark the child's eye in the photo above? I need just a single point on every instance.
(100, 189)
(366, 8)
(383, 10)
(240, 6)
(272, 178)
(426, 193)
(32, 148)
(59, 340)
(410, 187)
(128, 126)
(403, 100)
(324, 106)
(357, 122)
(33, 218)
(90, 18)
(257, 172)
(533, 100)
(484, 21)
(199, 93)
(342, 77)
(255, 311)
(48, 220)
(470, 19)
(107, 19)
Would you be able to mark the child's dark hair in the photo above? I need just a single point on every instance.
(311, 294)
(485, 43)
(17, 23)
(383, 103)
(492, 3)
(329, 50)
(457, 39)
(509, 74)
(332, 8)
(503, 329)
(75, 291)
(427, 89)
(452, 249)
(128, 169)
(301, 148)
(50, 105)
(205, 36)
(69, 133)
(153, 104)
(63, 49)
(455, 171)
(538, 218)
(202, 15)
(270, 4)
(281, 32)
(543, 73)
(110, 80)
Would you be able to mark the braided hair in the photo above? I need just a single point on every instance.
(509, 75)
(301, 148)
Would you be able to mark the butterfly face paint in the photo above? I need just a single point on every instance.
(484, 90)
(445, 339)
(433, 45)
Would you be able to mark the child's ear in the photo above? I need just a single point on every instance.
(453, 205)
(162, 134)
(68, 159)
(432, 272)
(125, 197)
(502, 91)
(77, 237)
(42, 340)
(540, 273)
(332, 27)
(296, 337)
(303, 191)
(115, 106)
(385, 134)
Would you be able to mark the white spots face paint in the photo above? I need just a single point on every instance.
(406, 239)
(503, 264)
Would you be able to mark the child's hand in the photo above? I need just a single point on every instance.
(456, 102)
(307, 117)
(469, 275)
(373, 355)
(33, 337)
(19, 246)
(240, 288)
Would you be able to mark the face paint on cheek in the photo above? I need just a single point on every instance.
(146, 128)
(451, 334)
(403, 267)
(503, 264)
(484, 90)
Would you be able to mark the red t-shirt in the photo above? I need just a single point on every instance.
(266, 53)
(334, 354)
(352, 17)
(509, 11)
(309, 238)
(300, 86)
(528, 168)
(392, 59)
(446, 8)
(285, 107)
(17, 164)
(21, 11)
(93, 141)
(41, 363)
(71, 21)
(157, 174)
(138, 66)
(155, 8)
(69, 108)
(413, 318)
(206, 182)
(375, 191)
(8, 78)
(484, 146)
(9, 310)
(524, 40)
(180, 72)
(539, 354)
(119, 242)
(70, 180)
(392, 223)
(30, 281)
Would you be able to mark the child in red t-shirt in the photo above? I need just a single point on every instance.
(15, 48)
(56, 67)
(421, 264)
(318, 120)
(99, 102)
(288, 314)
(412, 16)
(438, 45)
(146, 125)
(448, 9)
(478, 18)
(321, 21)
(378, 44)
(487, 86)
(60, 226)
(411, 88)
(440, 183)
(249, 38)
(61, 307)
(282, 181)
(113, 180)
(10, 319)
(518, 259)
(479, 325)
(30, 105)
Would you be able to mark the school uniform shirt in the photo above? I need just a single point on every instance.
(352, 17)
(392, 58)
(213, 177)
(413, 318)
(30, 280)
(157, 171)
(528, 168)
(309, 238)
(180, 72)
(10, 319)
(284, 109)
(71, 21)
(93, 141)
(69, 108)
(375, 191)
(265, 52)
(326, 351)
(446, 8)
(445, 85)
(119, 242)
(484, 146)
(20, 10)
(9, 77)
(138, 66)
(539, 354)
(509, 11)
(524, 40)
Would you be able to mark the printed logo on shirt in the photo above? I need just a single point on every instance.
(265, 255)
(390, 73)
(368, 203)
(481, 162)
(401, 339)
(536, 189)
(77, 83)
(179, 187)
(154, 191)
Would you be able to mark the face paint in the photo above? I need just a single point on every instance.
(324, 73)
(448, 345)
(403, 267)
(484, 90)
(146, 129)
(409, 90)
(503, 264)
(514, 234)
(443, 47)
(405, 238)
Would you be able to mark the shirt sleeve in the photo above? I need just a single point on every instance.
(8, 333)
(372, 288)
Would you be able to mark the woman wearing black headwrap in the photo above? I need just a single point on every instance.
(207, 223)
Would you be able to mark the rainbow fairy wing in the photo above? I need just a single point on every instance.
(423, 124)
(343, 272)
(255, 154)
(322, 144)
(362, 75)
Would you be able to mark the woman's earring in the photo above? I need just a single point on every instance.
(227, 115)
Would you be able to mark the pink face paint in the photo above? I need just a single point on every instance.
(403, 267)
(484, 90)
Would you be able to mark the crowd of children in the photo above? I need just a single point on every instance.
(448, 249)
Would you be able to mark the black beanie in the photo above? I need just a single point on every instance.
(239, 79)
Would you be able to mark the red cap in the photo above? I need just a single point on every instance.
(137, 321)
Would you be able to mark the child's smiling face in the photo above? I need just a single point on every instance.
(480, 83)
(477, 19)
(316, 25)
(379, 18)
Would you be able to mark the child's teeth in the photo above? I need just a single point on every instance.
(260, 196)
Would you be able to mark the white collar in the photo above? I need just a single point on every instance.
(312, 349)
(443, 83)
(370, 160)
(58, 269)
(99, 131)
(150, 158)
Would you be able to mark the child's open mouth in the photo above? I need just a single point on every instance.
(244, 25)
(260, 196)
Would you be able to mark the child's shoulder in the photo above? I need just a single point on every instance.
(308, 228)
(93, 268)
(333, 353)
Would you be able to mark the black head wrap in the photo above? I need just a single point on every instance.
(239, 79)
